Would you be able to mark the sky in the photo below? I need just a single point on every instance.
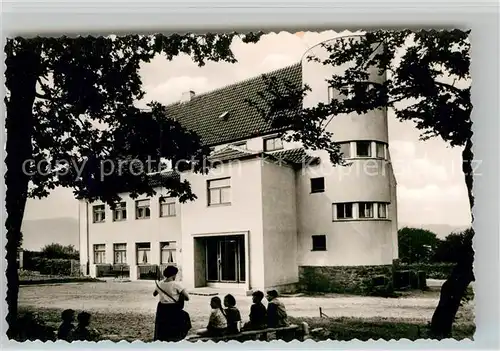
(431, 188)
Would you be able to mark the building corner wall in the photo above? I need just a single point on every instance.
(83, 236)
(394, 213)
(243, 215)
(279, 207)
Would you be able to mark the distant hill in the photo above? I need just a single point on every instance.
(40, 232)
(441, 230)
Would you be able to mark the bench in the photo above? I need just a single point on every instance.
(294, 331)
(112, 270)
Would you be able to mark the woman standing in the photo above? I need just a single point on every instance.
(172, 322)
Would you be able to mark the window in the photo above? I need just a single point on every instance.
(365, 210)
(319, 242)
(143, 253)
(99, 253)
(120, 253)
(344, 210)
(167, 207)
(317, 185)
(142, 210)
(219, 191)
(99, 213)
(168, 253)
(120, 212)
(272, 144)
(363, 149)
(338, 94)
(333, 94)
(345, 149)
(382, 210)
(380, 150)
(242, 145)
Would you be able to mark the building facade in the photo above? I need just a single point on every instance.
(270, 211)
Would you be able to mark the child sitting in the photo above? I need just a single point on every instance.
(233, 315)
(217, 321)
(258, 314)
(66, 328)
(82, 333)
(276, 312)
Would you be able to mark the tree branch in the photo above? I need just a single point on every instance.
(449, 86)
(45, 89)
(401, 98)
(45, 97)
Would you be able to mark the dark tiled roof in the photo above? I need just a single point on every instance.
(231, 153)
(203, 113)
(158, 179)
(297, 156)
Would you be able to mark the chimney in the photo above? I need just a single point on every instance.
(187, 96)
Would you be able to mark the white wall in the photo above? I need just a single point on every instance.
(280, 224)
(154, 230)
(82, 228)
(394, 214)
(352, 243)
(244, 214)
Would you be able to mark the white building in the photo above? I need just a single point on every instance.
(271, 214)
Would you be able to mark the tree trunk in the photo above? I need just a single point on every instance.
(455, 287)
(21, 77)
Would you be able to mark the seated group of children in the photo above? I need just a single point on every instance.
(67, 331)
(228, 321)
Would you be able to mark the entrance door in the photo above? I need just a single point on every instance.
(225, 259)
(228, 250)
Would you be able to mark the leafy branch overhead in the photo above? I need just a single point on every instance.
(425, 72)
(82, 96)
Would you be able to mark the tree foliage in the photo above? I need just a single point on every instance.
(416, 245)
(70, 107)
(56, 250)
(454, 247)
(426, 74)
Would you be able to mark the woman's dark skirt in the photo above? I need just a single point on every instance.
(172, 323)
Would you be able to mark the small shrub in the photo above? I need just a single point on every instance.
(54, 266)
(59, 251)
(401, 279)
(432, 270)
(316, 283)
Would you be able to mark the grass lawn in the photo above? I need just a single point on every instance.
(132, 326)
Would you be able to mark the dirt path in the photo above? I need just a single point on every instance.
(137, 297)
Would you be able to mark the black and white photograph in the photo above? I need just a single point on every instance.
(246, 186)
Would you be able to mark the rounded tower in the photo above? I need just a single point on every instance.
(349, 221)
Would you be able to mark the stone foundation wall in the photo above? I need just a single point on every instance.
(281, 289)
(284, 288)
(344, 279)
